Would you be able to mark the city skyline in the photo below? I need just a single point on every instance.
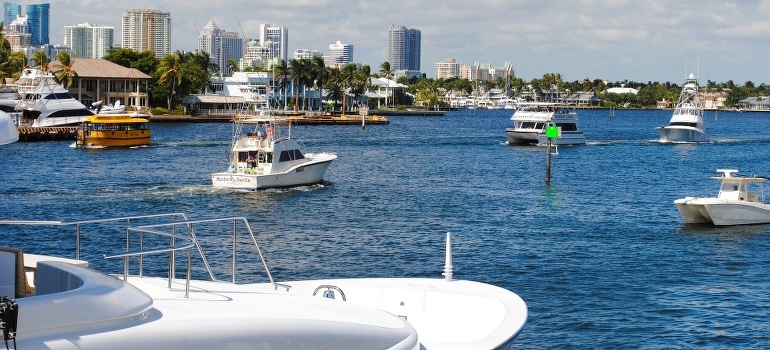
(614, 40)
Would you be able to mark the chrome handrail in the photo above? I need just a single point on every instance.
(192, 240)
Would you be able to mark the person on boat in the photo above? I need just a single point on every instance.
(250, 161)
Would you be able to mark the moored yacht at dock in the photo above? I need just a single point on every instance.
(46, 103)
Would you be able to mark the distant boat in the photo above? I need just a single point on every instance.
(686, 124)
(115, 108)
(741, 201)
(531, 119)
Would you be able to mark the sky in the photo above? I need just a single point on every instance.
(616, 40)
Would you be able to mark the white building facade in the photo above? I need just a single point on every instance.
(147, 30)
(88, 40)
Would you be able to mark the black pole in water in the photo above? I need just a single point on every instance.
(548, 163)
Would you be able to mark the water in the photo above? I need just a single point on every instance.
(601, 256)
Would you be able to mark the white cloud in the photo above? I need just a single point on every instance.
(638, 40)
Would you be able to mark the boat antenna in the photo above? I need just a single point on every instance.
(448, 268)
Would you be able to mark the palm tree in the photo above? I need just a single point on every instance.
(300, 75)
(282, 72)
(169, 69)
(334, 88)
(65, 72)
(5, 52)
(320, 75)
(232, 66)
(387, 73)
(346, 78)
(41, 59)
(362, 81)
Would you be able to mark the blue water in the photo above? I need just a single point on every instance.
(600, 256)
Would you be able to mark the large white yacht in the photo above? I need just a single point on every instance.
(686, 124)
(58, 302)
(46, 103)
(741, 201)
(531, 119)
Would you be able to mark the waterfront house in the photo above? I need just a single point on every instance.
(101, 80)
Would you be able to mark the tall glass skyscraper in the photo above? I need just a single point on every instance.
(10, 12)
(38, 19)
(404, 48)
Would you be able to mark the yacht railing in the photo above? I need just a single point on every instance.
(155, 229)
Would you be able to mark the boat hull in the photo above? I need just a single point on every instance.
(722, 212)
(129, 138)
(673, 134)
(308, 173)
(516, 137)
(8, 131)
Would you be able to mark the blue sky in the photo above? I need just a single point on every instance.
(638, 40)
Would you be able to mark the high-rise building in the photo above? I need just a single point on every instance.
(10, 12)
(17, 33)
(404, 48)
(38, 20)
(147, 30)
(448, 68)
(222, 46)
(339, 53)
(276, 39)
(88, 41)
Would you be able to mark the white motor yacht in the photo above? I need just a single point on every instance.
(531, 119)
(261, 156)
(46, 103)
(686, 124)
(58, 302)
(741, 201)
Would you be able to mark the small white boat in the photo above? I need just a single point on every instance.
(115, 108)
(531, 119)
(741, 201)
(8, 131)
(686, 124)
(262, 157)
(59, 303)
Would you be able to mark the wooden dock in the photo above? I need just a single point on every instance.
(338, 120)
(29, 134)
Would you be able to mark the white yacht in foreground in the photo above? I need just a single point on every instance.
(741, 201)
(262, 157)
(531, 118)
(8, 131)
(686, 124)
(59, 303)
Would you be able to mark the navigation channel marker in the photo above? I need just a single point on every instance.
(552, 131)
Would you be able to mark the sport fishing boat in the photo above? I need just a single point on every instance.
(46, 103)
(741, 201)
(686, 124)
(531, 119)
(113, 130)
(62, 302)
(262, 157)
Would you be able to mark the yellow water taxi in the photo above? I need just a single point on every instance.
(113, 130)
